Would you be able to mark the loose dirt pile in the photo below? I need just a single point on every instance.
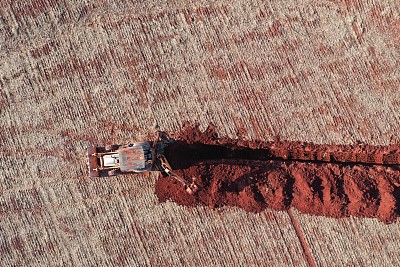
(323, 180)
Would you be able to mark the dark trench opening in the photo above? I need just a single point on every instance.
(182, 155)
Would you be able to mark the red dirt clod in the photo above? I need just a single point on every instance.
(315, 179)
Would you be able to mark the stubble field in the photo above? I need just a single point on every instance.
(76, 74)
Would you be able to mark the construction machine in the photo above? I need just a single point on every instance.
(138, 157)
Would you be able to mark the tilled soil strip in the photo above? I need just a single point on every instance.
(315, 179)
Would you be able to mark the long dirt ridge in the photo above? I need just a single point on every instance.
(329, 180)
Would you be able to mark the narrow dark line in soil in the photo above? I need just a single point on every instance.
(183, 155)
(306, 250)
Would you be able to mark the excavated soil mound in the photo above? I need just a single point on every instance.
(258, 175)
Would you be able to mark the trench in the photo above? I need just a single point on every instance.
(254, 176)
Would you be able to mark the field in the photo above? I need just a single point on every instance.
(76, 74)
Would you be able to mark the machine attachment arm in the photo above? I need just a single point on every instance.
(191, 188)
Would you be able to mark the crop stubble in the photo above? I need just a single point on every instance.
(75, 74)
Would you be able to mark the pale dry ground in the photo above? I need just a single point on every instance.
(76, 74)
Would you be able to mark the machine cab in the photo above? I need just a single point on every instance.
(107, 161)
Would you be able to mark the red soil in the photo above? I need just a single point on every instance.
(255, 176)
